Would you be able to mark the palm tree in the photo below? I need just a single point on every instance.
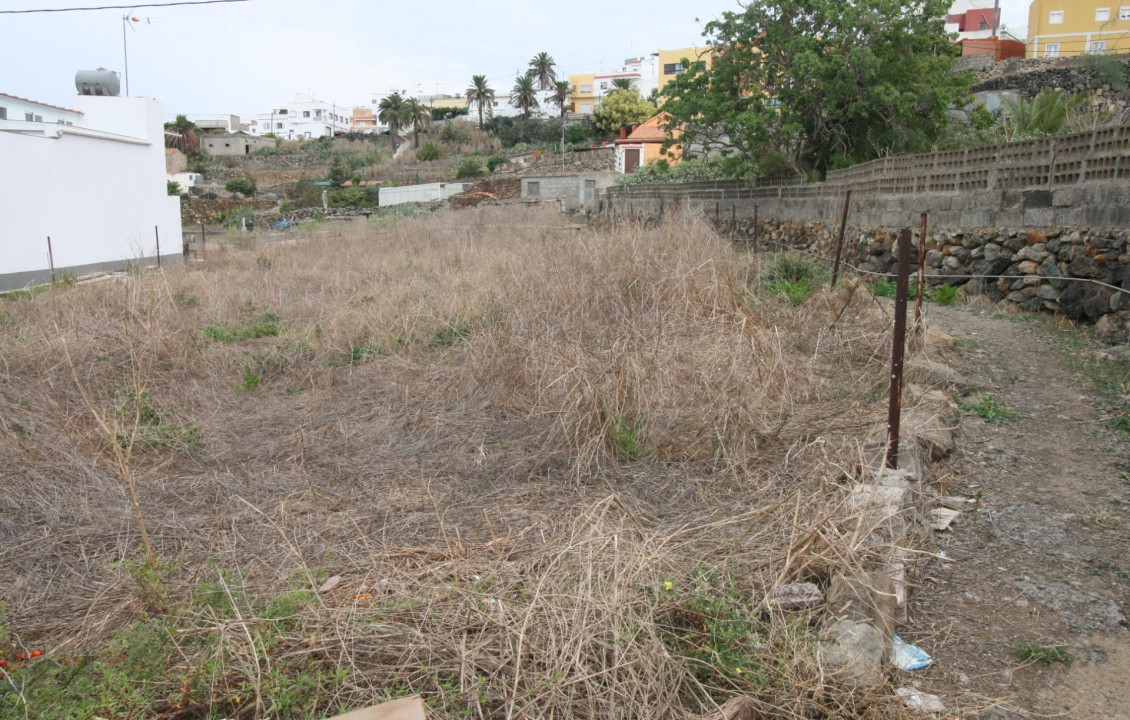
(480, 94)
(563, 92)
(389, 110)
(524, 95)
(541, 69)
(416, 115)
(622, 84)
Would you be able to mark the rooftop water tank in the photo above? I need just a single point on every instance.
(98, 82)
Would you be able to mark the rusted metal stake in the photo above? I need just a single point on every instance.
(203, 240)
(733, 221)
(840, 239)
(157, 233)
(894, 408)
(921, 273)
(51, 260)
(755, 230)
(661, 203)
(717, 212)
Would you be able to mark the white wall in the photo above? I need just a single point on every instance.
(16, 109)
(97, 191)
(419, 193)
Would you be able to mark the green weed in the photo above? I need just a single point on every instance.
(456, 330)
(794, 277)
(945, 294)
(988, 408)
(251, 380)
(1028, 651)
(626, 438)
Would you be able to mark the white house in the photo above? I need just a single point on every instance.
(303, 117)
(91, 178)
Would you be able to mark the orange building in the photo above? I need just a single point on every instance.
(643, 144)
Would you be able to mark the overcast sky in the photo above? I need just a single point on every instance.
(245, 57)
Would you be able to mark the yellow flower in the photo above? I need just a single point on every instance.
(668, 585)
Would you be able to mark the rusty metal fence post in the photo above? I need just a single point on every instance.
(921, 285)
(898, 349)
(51, 260)
(840, 240)
(157, 234)
(756, 231)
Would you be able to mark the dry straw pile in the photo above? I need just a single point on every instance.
(555, 473)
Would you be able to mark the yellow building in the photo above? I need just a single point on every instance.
(584, 93)
(1063, 28)
(670, 62)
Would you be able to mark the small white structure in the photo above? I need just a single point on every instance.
(427, 192)
(572, 192)
(304, 117)
(186, 180)
(92, 179)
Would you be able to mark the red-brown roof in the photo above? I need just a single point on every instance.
(41, 104)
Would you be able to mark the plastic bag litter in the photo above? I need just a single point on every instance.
(918, 700)
(908, 657)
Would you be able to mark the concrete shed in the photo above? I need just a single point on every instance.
(574, 192)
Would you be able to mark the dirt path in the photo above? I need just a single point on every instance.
(1044, 555)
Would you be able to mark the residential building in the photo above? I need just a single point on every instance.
(973, 19)
(218, 124)
(643, 145)
(1065, 28)
(669, 63)
(363, 119)
(235, 144)
(303, 117)
(589, 88)
(91, 178)
(16, 109)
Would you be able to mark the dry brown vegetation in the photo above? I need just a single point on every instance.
(557, 471)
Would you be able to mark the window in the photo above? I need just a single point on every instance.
(1055, 17)
(983, 26)
(282, 111)
(318, 114)
(672, 68)
(1102, 14)
(604, 86)
(305, 113)
(39, 118)
(1098, 47)
(533, 189)
(29, 117)
(278, 125)
(3, 113)
(1051, 50)
(586, 89)
(1124, 13)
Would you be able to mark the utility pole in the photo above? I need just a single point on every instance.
(996, 17)
(125, 50)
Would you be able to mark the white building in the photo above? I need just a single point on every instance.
(973, 19)
(91, 178)
(303, 117)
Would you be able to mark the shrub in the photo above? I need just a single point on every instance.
(945, 294)
(242, 186)
(689, 170)
(430, 151)
(794, 277)
(451, 134)
(172, 187)
(990, 410)
(237, 218)
(494, 162)
(347, 197)
(469, 168)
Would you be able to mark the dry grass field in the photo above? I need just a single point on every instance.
(524, 470)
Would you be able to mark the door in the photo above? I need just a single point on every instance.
(590, 191)
(631, 160)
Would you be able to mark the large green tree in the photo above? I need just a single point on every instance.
(524, 96)
(619, 108)
(416, 115)
(389, 111)
(480, 95)
(812, 85)
(543, 70)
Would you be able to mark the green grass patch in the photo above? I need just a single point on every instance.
(251, 380)
(261, 325)
(1030, 651)
(455, 331)
(990, 410)
(153, 431)
(945, 294)
(793, 277)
